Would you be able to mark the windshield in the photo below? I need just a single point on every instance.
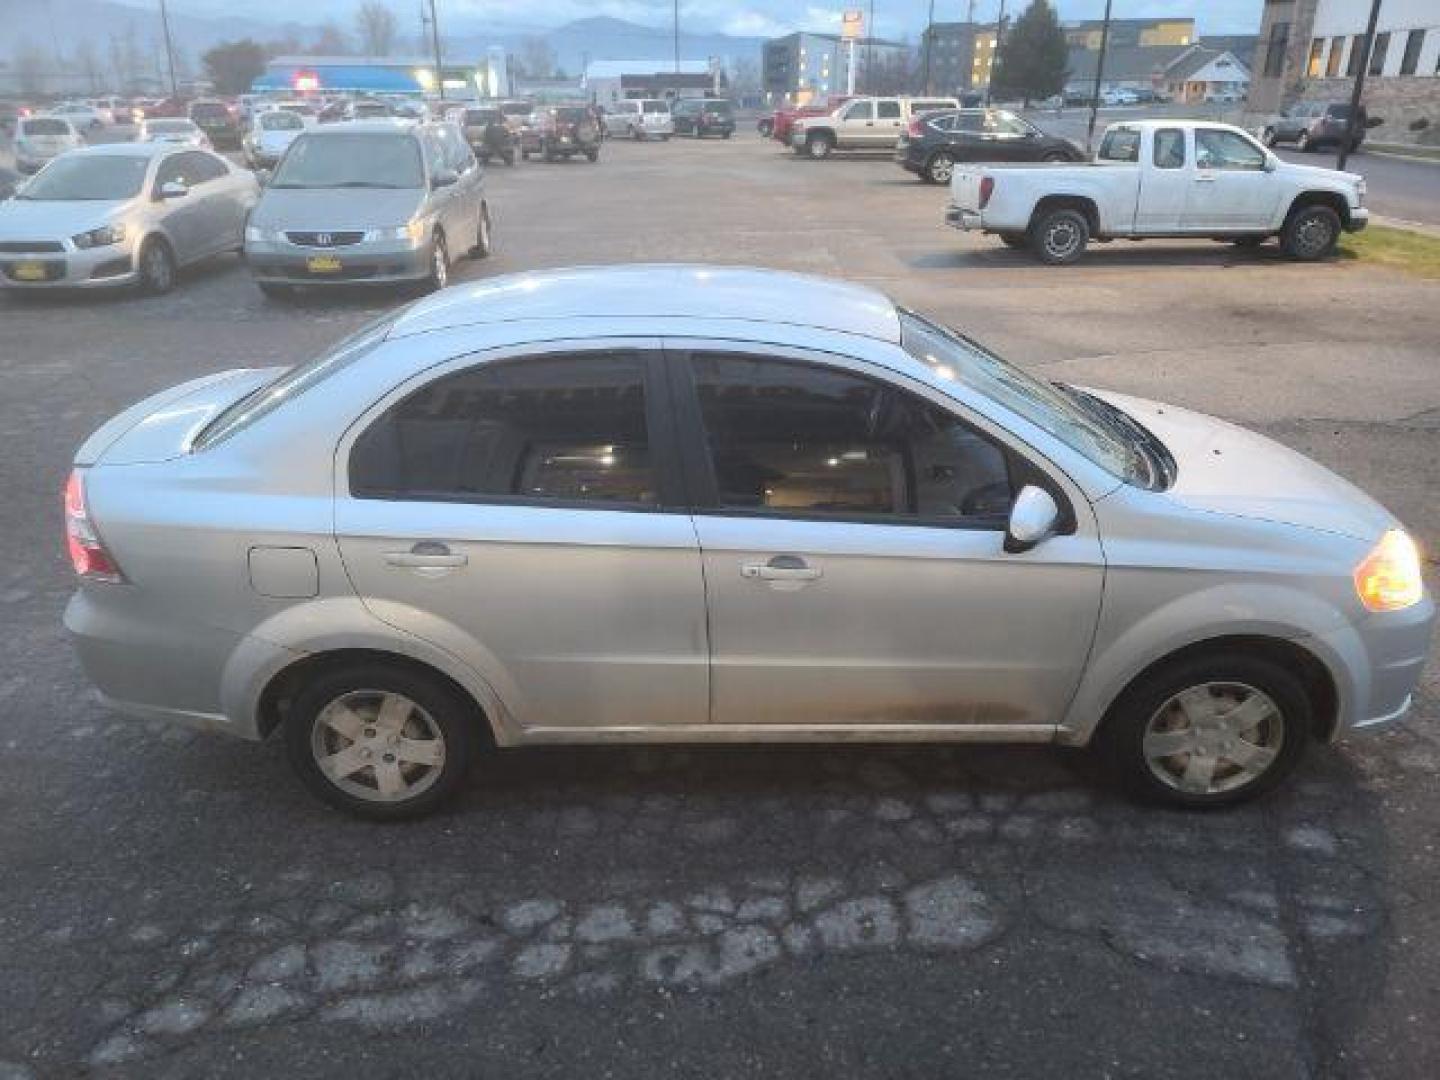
(44, 127)
(281, 121)
(369, 159)
(88, 177)
(517, 108)
(209, 112)
(290, 384)
(168, 127)
(1075, 419)
(572, 115)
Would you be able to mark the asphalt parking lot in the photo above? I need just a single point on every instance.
(175, 905)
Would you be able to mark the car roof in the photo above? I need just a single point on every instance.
(391, 125)
(660, 291)
(132, 149)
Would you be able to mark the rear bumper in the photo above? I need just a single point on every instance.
(964, 220)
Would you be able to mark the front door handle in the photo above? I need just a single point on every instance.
(781, 568)
(1205, 178)
(427, 555)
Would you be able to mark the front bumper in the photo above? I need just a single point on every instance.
(1377, 665)
(73, 268)
(1359, 218)
(964, 220)
(378, 262)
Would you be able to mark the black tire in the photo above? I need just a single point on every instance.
(1122, 737)
(939, 168)
(766, 128)
(636, 134)
(1303, 143)
(1268, 136)
(592, 155)
(274, 291)
(819, 145)
(524, 155)
(1059, 237)
(442, 714)
(439, 275)
(1055, 156)
(1310, 233)
(510, 157)
(156, 267)
(1017, 240)
(484, 238)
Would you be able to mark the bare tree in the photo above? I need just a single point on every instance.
(88, 61)
(331, 41)
(375, 26)
(30, 62)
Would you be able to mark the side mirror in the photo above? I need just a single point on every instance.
(1033, 518)
(173, 189)
(444, 178)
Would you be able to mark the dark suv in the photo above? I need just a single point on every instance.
(1311, 125)
(934, 142)
(561, 131)
(218, 122)
(703, 116)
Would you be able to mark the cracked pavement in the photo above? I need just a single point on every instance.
(174, 905)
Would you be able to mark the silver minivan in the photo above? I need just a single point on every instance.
(640, 119)
(694, 504)
(377, 202)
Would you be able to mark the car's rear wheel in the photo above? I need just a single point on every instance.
(1310, 233)
(1059, 236)
(1208, 731)
(819, 145)
(156, 267)
(592, 155)
(380, 741)
(940, 168)
(1055, 156)
(484, 242)
(1268, 136)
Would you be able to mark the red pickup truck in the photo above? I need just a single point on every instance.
(777, 125)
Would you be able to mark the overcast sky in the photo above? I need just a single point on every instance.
(753, 18)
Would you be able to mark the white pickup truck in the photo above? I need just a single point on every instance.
(1161, 178)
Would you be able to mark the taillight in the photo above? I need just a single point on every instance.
(87, 553)
(914, 128)
(987, 188)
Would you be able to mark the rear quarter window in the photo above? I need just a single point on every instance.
(1120, 144)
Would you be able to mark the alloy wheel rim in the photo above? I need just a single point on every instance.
(378, 745)
(1312, 235)
(1213, 738)
(441, 270)
(941, 169)
(1061, 238)
(817, 148)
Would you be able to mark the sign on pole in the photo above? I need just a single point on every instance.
(852, 25)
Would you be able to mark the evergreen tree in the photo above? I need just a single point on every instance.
(1031, 59)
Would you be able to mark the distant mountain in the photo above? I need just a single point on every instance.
(605, 38)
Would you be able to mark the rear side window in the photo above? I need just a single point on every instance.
(797, 439)
(1120, 144)
(887, 110)
(43, 126)
(861, 110)
(563, 428)
(1169, 148)
(656, 107)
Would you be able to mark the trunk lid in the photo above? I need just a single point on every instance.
(162, 426)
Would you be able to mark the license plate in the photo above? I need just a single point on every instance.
(322, 264)
(30, 271)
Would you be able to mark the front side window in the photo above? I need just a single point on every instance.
(562, 428)
(795, 439)
(1225, 150)
(1004, 123)
(861, 110)
(1169, 148)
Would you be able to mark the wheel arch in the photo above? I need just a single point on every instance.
(1333, 199)
(1083, 203)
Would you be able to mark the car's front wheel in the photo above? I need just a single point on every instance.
(380, 741)
(1208, 731)
(157, 268)
(819, 145)
(1310, 233)
(439, 275)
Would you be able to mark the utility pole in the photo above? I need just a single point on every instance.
(929, 44)
(1368, 44)
(435, 43)
(870, 50)
(1100, 74)
(169, 48)
(995, 53)
(675, 23)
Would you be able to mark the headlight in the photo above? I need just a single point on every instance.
(256, 235)
(413, 232)
(101, 237)
(1388, 579)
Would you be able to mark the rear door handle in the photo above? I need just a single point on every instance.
(426, 555)
(1205, 178)
(782, 568)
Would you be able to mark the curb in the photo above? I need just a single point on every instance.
(1401, 155)
(1418, 227)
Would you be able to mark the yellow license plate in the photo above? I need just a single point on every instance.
(322, 264)
(30, 271)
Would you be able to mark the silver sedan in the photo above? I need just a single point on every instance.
(690, 504)
(122, 214)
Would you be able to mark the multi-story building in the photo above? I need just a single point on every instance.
(1129, 33)
(803, 66)
(1312, 50)
(959, 56)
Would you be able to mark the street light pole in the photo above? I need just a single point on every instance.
(675, 23)
(169, 48)
(435, 42)
(870, 50)
(1366, 46)
(1099, 74)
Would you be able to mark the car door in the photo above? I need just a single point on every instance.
(856, 124)
(1160, 204)
(851, 531)
(441, 200)
(1231, 188)
(523, 511)
(185, 217)
(468, 187)
(223, 196)
(889, 122)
